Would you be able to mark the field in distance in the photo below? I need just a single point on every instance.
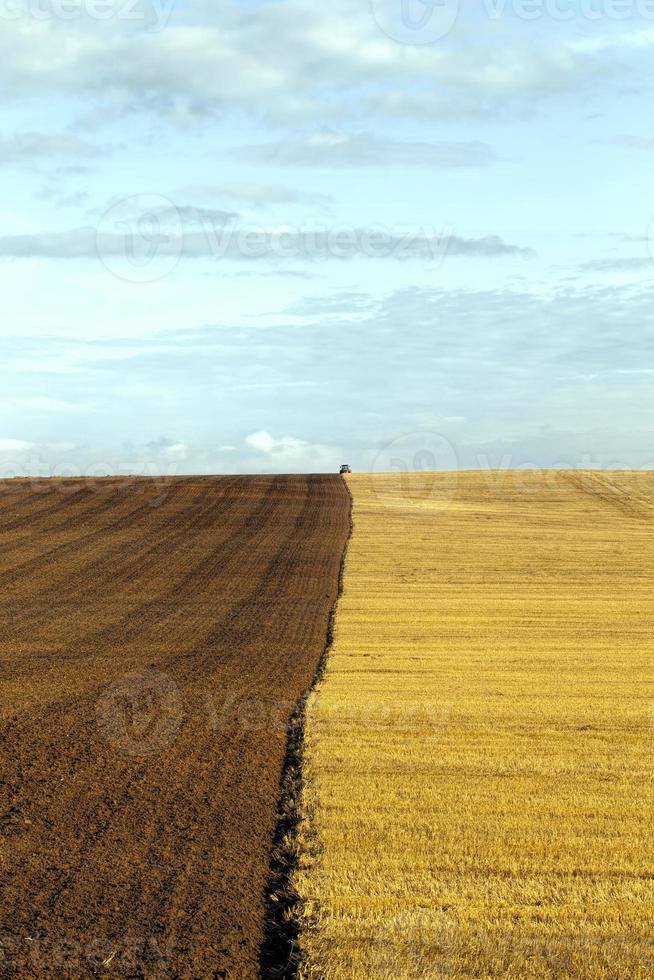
(478, 762)
(154, 642)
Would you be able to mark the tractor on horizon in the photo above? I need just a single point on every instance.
(345, 468)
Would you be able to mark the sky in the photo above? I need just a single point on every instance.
(279, 236)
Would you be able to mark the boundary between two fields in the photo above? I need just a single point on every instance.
(278, 959)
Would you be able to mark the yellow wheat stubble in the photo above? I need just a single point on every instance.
(478, 757)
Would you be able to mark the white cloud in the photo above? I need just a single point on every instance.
(13, 447)
(288, 451)
(178, 451)
(640, 39)
(22, 147)
(260, 195)
(217, 57)
(335, 149)
(216, 240)
(43, 403)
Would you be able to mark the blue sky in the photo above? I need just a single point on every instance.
(278, 236)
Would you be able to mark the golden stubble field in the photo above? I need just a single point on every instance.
(478, 756)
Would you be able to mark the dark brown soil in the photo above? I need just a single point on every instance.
(153, 645)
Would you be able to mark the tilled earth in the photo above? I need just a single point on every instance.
(154, 641)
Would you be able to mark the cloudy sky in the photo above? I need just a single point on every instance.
(270, 236)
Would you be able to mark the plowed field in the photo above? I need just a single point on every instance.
(153, 644)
